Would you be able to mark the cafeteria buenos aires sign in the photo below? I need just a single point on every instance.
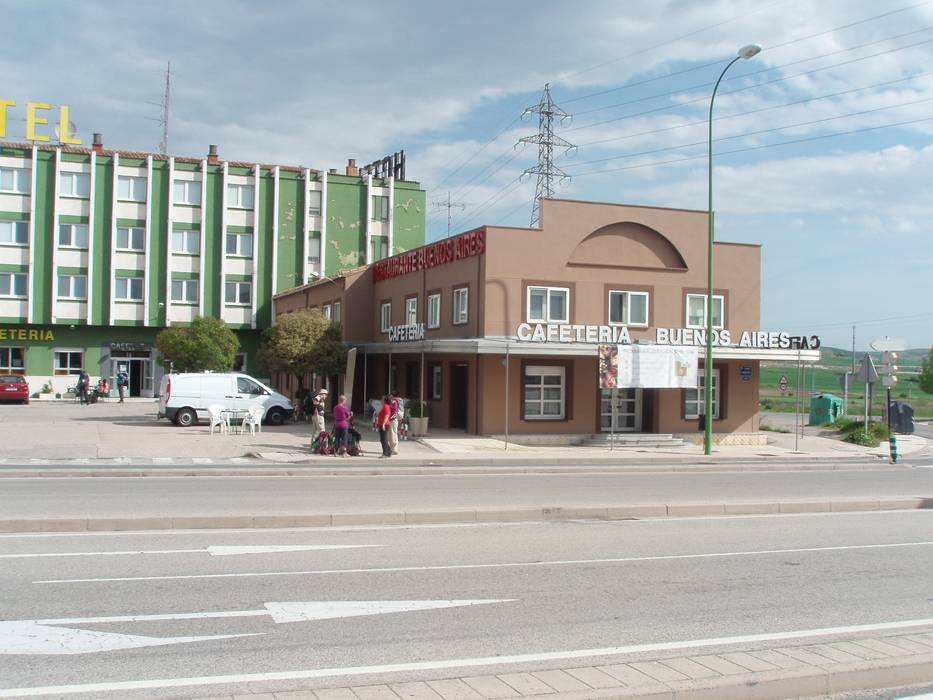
(619, 335)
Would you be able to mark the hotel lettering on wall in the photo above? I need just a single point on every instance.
(466, 245)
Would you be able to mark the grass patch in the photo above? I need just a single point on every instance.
(854, 431)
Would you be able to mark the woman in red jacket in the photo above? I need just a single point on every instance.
(382, 423)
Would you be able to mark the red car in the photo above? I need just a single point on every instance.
(13, 388)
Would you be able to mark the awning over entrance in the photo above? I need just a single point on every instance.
(497, 346)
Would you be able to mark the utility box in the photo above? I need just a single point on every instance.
(825, 409)
(902, 417)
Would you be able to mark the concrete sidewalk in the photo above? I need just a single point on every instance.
(743, 671)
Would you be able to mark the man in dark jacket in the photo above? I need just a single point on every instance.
(84, 382)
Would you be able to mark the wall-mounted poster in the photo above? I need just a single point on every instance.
(608, 366)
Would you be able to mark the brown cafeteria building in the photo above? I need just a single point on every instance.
(498, 328)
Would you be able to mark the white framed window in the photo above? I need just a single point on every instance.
(186, 242)
(72, 235)
(338, 312)
(544, 393)
(696, 311)
(314, 248)
(240, 196)
(12, 360)
(434, 311)
(628, 308)
(379, 247)
(185, 291)
(548, 304)
(72, 286)
(240, 245)
(131, 189)
(326, 310)
(128, 289)
(74, 185)
(131, 239)
(238, 293)
(461, 306)
(411, 311)
(695, 399)
(385, 316)
(14, 232)
(314, 202)
(380, 207)
(69, 361)
(186, 192)
(13, 284)
(14, 180)
(437, 378)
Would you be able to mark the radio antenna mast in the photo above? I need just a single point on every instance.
(448, 205)
(163, 119)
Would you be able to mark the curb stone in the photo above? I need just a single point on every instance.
(498, 515)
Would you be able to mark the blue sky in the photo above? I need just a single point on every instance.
(831, 123)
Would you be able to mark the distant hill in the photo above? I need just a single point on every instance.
(841, 357)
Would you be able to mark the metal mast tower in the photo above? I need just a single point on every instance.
(163, 121)
(547, 141)
(448, 205)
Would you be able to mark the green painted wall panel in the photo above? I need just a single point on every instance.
(408, 219)
(103, 213)
(262, 287)
(346, 224)
(157, 255)
(44, 238)
(291, 228)
(14, 216)
(211, 243)
(71, 219)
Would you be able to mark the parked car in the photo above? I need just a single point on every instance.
(184, 398)
(14, 388)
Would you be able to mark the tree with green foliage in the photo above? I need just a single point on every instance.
(301, 342)
(926, 374)
(207, 344)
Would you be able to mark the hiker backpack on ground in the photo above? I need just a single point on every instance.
(321, 445)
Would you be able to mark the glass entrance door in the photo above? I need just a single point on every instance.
(627, 414)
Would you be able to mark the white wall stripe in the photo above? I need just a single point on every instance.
(92, 193)
(392, 216)
(166, 320)
(113, 234)
(255, 283)
(148, 257)
(223, 243)
(369, 218)
(203, 246)
(33, 278)
(55, 225)
(305, 249)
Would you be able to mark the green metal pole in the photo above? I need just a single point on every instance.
(708, 360)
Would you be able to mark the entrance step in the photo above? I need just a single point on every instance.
(631, 440)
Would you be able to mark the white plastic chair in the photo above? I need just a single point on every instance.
(254, 420)
(216, 419)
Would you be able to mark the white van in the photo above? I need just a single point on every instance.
(184, 398)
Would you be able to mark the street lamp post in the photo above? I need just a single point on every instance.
(744, 52)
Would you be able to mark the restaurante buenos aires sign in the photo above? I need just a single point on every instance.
(619, 335)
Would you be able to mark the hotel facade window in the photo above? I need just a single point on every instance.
(69, 361)
(74, 185)
(338, 312)
(695, 399)
(240, 196)
(128, 289)
(14, 232)
(238, 293)
(314, 202)
(696, 311)
(186, 192)
(544, 393)
(72, 287)
(131, 239)
(434, 311)
(380, 208)
(15, 180)
(12, 360)
(314, 249)
(185, 291)
(385, 317)
(461, 306)
(411, 311)
(72, 235)
(239, 245)
(548, 304)
(186, 242)
(13, 284)
(131, 189)
(628, 308)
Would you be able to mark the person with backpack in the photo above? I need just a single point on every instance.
(122, 380)
(317, 412)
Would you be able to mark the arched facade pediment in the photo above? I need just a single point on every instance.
(628, 244)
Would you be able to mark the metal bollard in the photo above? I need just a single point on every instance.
(893, 444)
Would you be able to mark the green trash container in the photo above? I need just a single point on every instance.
(825, 409)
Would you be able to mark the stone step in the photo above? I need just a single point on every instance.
(631, 440)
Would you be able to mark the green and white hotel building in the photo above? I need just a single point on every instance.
(102, 249)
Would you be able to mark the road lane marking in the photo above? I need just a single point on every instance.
(443, 664)
(49, 637)
(213, 550)
(454, 567)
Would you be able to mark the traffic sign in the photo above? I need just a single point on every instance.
(866, 371)
(888, 344)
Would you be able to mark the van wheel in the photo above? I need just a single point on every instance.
(186, 418)
(275, 417)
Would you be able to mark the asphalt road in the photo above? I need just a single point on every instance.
(550, 587)
(128, 497)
